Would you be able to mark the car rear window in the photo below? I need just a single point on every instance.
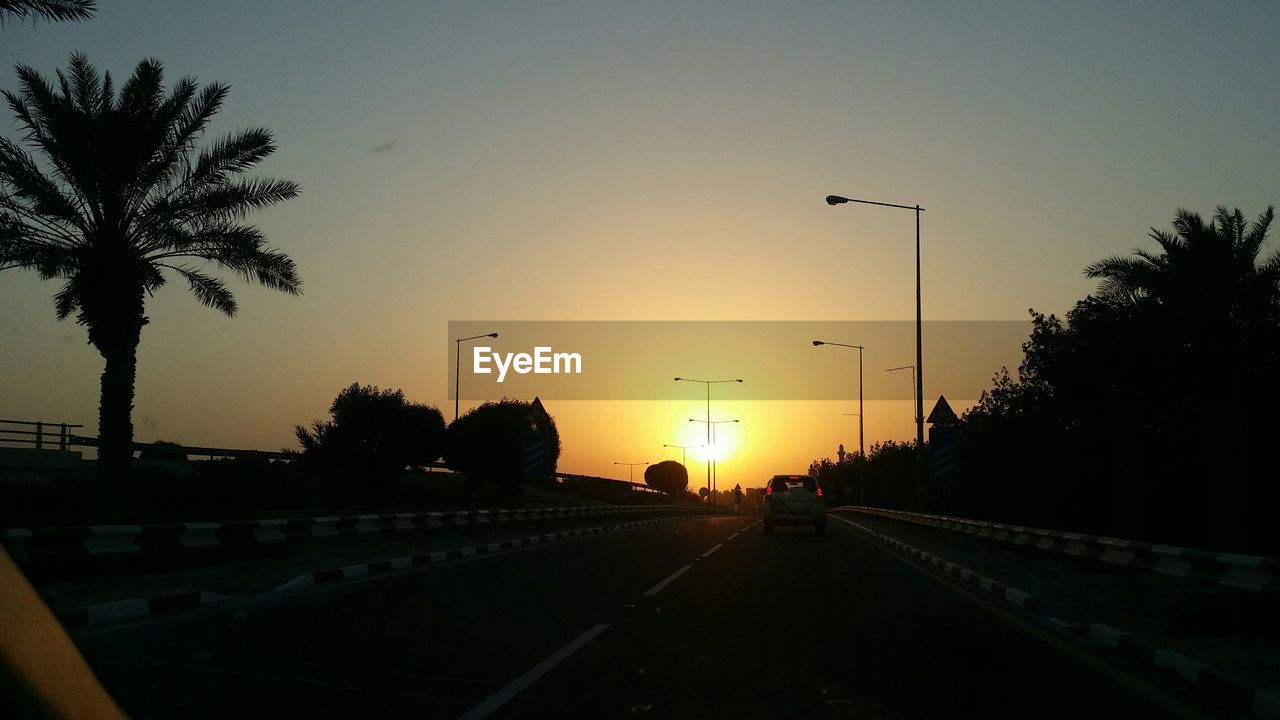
(783, 483)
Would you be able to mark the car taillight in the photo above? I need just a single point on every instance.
(768, 491)
(819, 492)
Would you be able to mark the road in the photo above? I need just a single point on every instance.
(698, 618)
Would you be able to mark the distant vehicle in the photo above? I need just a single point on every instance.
(794, 500)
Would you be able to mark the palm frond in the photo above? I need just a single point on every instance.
(67, 299)
(1251, 243)
(235, 200)
(24, 185)
(210, 291)
(48, 9)
(143, 92)
(231, 155)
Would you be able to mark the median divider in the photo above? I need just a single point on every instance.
(134, 608)
(1250, 573)
(71, 547)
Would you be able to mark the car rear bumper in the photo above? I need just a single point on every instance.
(793, 519)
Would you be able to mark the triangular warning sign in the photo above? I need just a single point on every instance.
(537, 413)
(942, 414)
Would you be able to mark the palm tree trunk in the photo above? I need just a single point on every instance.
(115, 409)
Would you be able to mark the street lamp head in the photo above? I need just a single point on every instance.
(816, 343)
(678, 379)
(836, 200)
(739, 379)
(493, 335)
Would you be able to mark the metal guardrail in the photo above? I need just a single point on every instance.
(93, 541)
(210, 452)
(1242, 572)
(85, 441)
(44, 436)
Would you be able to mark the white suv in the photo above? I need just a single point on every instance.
(794, 500)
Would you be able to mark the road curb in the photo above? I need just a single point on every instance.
(351, 572)
(138, 607)
(1213, 682)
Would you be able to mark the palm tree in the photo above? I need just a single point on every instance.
(48, 9)
(1208, 307)
(1207, 270)
(122, 198)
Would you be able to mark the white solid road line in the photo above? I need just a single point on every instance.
(499, 698)
(656, 588)
(732, 536)
(717, 547)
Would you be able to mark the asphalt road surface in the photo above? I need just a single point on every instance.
(692, 619)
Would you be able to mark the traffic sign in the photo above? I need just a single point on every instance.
(944, 454)
(537, 459)
(537, 414)
(942, 414)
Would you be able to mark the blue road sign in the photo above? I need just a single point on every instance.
(536, 456)
(944, 455)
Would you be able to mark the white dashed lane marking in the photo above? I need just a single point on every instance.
(496, 700)
(670, 578)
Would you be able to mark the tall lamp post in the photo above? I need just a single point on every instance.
(457, 369)
(914, 397)
(919, 371)
(712, 424)
(684, 451)
(708, 383)
(862, 449)
(632, 467)
(862, 459)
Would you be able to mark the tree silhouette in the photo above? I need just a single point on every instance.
(1209, 273)
(667, 476)
(487, 443)
(1146, 410)
(374, 434)
(47, 9)
(122, 197)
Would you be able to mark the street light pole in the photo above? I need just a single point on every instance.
(712, 424)
(708, 383)
(684, 452)
(919, 372)
(862, 449)
(632, 467)
(912, 368)
(457, 370)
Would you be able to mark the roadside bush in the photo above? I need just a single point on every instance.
(667, 476)
(373, 436)
(487, 444)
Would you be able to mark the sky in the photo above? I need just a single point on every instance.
(654, 161)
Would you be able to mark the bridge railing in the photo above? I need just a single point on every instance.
(1243, 572)
(37, 434)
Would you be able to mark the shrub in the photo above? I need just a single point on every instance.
(667, 476)
(374, 433)
(487, 443)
